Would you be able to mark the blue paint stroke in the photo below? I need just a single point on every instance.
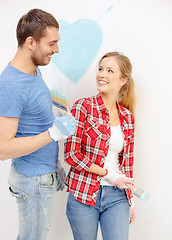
(110, 8)
(78, 46)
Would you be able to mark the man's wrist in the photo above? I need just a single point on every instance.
(54, 133)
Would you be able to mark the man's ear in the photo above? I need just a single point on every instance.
(30, 42)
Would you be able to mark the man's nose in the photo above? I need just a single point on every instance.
(56, 48)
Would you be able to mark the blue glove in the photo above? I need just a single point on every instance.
(63, 126)
(65, 123)
(61, 176)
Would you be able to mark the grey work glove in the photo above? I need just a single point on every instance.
(61, 177)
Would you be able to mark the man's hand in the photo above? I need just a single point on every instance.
(61, 176)
(63, 127)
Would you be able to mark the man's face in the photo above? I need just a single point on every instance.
(46, 47)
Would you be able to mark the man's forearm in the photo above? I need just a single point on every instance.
(18, 147)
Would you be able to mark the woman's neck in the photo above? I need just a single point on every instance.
(109, 101)
(110, 104)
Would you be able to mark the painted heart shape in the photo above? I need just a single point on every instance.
(78, 46)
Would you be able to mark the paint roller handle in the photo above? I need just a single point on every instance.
(64, 112)
(68, 110)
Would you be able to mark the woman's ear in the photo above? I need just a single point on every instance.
(124, 81)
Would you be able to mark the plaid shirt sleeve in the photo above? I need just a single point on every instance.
(128, 168)
(129, 161)
(126, 158)
(73, 144)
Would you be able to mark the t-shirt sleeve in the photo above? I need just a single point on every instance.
(11, 100)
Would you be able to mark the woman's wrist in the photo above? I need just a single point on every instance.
(132, 202)
(106, 172)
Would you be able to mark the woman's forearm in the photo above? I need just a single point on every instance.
(97, 169)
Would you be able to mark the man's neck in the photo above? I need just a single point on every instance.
(23, 63)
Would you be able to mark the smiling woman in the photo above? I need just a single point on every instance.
(118, 69)
(100, 153)
(109, 79)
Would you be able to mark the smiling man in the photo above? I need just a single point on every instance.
(29, 133)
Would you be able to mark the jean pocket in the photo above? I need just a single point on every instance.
(21, 199)
(16, 193)
(47, 181)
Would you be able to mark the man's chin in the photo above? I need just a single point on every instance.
(44, 63)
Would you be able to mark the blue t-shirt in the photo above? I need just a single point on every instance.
(27, 97)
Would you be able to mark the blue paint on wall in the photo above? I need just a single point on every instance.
(110, 8)
(78, 46)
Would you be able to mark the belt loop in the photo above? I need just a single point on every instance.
(53, 178)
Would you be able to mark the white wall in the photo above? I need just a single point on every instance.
(142, 31)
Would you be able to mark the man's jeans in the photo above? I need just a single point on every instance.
(34, 197)
(111, 209)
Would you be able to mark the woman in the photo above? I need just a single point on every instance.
(100, 153)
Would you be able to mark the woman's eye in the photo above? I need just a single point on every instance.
(100, 69)
(110, 71)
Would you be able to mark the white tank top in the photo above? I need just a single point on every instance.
(115, 147)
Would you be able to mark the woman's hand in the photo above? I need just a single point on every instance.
(121, 181)
(132, 215)
(118, 179)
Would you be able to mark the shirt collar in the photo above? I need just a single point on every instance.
(122, 113)
(102, 107)
(100, 103)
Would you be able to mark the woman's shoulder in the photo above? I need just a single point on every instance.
(85, 102)
(128, 115)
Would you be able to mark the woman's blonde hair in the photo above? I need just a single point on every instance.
(126, 96)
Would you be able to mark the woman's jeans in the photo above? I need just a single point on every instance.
(111, 209)
(34, 198)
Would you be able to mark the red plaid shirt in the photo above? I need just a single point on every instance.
(90, 143)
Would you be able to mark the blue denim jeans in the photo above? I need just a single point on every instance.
(111, 210)
(34, 197)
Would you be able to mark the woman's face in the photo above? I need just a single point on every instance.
(109, 76)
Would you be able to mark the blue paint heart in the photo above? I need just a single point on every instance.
(78, 46)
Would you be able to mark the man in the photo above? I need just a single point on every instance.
(28, 135)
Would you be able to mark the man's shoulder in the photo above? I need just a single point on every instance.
(4, 72)
(8, 75)
(12, 87)
(6, 80)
